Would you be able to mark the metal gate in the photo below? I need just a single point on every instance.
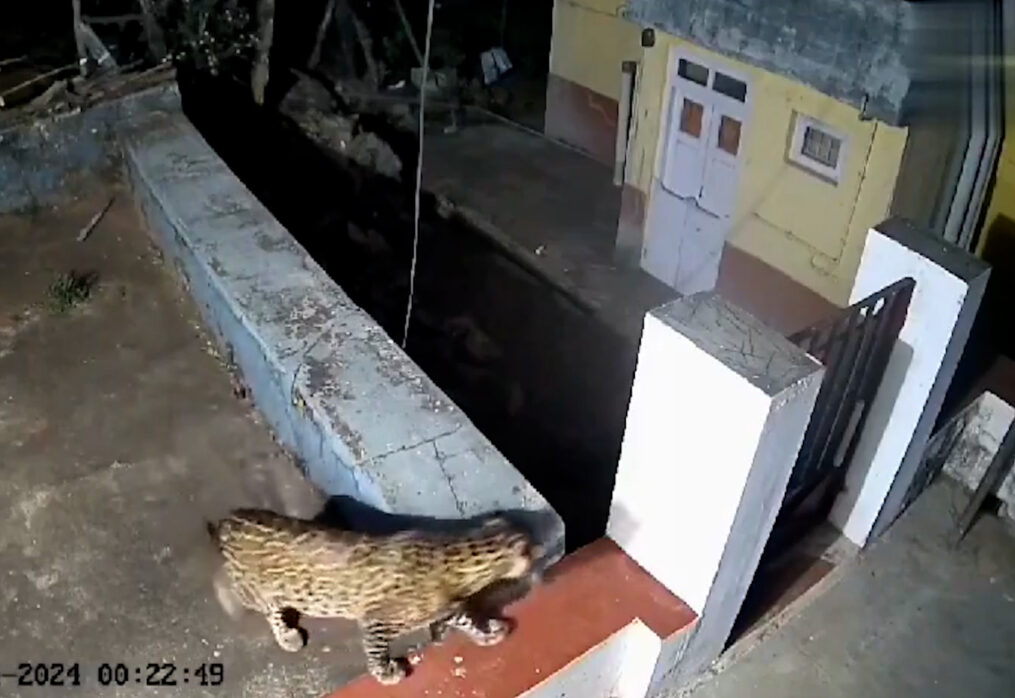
(854, 347)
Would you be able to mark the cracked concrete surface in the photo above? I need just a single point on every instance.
(910, 618)
(739, 340)
(119, 437)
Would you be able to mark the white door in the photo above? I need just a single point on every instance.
(701, 252)
(685, 156)
(658, 258)
(695, 198)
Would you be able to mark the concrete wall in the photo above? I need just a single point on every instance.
(938, 113)
(364, 420)
(41, 159)
(619, 667)
(924, 187)
(789, 220)
(590, 41)
(950, 284)
(965, 446)
(852, 50)
(719, 408)
(809, 229)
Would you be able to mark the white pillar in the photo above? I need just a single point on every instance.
(618, 667)
(949, 287)
(718, 410)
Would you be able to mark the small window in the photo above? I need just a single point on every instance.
(731, 87)
(691, 115)
(821, 146)
(729, 135)
(817, 147)
(694, 72)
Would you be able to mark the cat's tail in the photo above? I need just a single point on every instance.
(225, 590)
(226, 594)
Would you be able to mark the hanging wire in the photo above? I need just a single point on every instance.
(419, 169)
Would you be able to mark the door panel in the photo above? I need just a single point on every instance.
(719, 185)
(666, 226)
(695, 195)
(685, 148)
(700, 252)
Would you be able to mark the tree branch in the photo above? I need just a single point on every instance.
(79, 39)
(28, 83)
(366, 43)
(265, 33)
(12, 61)
(153, 33)
(322, 31)
(112, 19)
(408, 32)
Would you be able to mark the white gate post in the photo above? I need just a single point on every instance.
(718, 411)
(949, 287)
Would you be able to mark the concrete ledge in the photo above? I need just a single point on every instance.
(366, 420)
(41, 158)
(600, 627)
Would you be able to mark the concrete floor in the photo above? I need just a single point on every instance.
(119, 435)
(557, 204)
(560, 209)
(909, 617)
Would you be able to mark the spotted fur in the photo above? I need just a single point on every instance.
(392, 584)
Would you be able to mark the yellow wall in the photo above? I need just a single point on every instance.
(590, 41)
(1002, 197)
(811, 230)
(1002, 200)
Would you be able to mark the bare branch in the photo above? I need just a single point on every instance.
(265, 32)
(112, 19)
(408, 31)
(153, 33)
(48, 95)
(322, 30)
(38, 78)
(12, 61)
(367, 44)
(94, 221)
(79, 39)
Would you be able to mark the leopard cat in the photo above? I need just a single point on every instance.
(390, 584)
